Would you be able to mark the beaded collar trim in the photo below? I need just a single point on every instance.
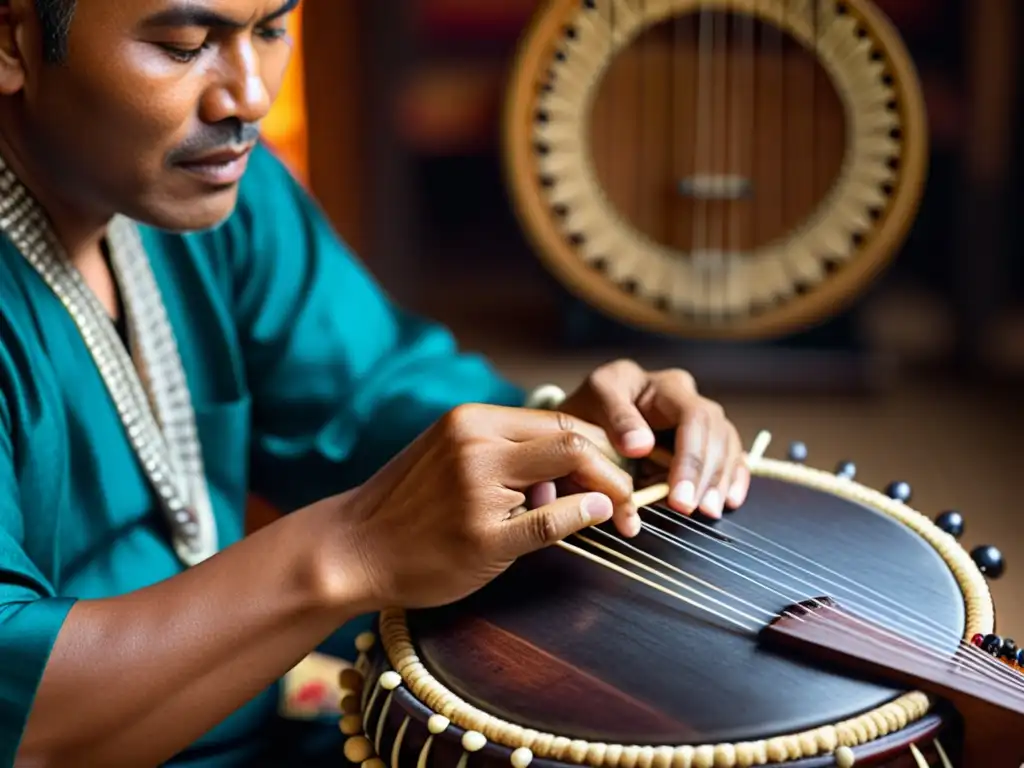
(151, 393)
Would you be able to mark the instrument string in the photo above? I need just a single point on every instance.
(692, 525)
(999, 677)
(705, 143)
(778, 43)
(743, 156)
(913, 651)
(579, 552)
(770, 615)
(903, 612)
(757, 450)
(647, 527)
(719, 189)
(921, 646)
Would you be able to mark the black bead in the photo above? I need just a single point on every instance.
(900, 491)
(846, 469)
(989, 561)
(992, 644)
(952, 522)
(1020, 656)
(1009, 650)
(798, 452)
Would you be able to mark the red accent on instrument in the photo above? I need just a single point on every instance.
(977, 640)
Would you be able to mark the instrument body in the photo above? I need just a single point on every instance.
(715, 168)
(561, 661)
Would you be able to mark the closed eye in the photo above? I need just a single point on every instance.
(182, 54)
(273, 33)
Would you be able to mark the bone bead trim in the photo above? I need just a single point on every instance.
(438, 724)
(473, 741)
(390, 680)
(521, 758)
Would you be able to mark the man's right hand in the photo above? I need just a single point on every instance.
(445, 517)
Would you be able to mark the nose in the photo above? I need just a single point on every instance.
(241, 92)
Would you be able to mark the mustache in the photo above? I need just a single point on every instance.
(214, 136)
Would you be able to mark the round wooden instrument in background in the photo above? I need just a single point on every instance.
(715, 168)
(566, 660)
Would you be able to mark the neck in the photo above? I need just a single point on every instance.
(79, 229)
(988, 695)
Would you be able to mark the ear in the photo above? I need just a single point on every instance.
(13, 17)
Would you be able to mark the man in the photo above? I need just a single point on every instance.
(179, 327)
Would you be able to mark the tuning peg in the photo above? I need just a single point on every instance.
(900, 491)
(952, 522)
(989, 561)
(846, 469)
(797, 452)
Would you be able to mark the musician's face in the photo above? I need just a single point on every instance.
(145, 114)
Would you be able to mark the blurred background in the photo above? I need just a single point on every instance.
(392, 117)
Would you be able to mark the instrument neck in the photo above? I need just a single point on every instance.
(992, 702)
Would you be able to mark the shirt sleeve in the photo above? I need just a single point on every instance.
(341, 378)
(31, 616)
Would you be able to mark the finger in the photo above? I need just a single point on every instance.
(474, 420)
(571, 456)
(616, 388)
(541, 494)
(716, 451)
(566, 455)
(688, 462)
(544, 526)
(628, 522)
(741, 483)
(730, 465)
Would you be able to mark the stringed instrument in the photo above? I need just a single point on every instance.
(726, 169)
(822, 624)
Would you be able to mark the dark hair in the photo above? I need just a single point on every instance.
(55, 18)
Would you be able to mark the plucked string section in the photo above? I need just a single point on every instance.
(867, 601)
(904, 632)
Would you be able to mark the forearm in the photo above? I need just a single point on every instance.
(133, 680)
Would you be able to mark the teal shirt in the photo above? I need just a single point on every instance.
(305, 380)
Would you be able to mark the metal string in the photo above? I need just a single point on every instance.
(913, 650)
(736, 569)
(903, 612)
(705, 144)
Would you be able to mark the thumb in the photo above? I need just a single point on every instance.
(549, 524)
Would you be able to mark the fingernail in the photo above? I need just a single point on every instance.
(712, 503)
(636, 440)
(635, 524)
(595, 508)
(685, 494)
(736, 494)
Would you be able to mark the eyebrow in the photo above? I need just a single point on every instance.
(188, 14)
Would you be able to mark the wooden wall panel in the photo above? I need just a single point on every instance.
(335, 94)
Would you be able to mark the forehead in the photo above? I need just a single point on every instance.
(175, 12)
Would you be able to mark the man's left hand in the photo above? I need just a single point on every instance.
(708, 470)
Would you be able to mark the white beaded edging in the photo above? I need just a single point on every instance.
(837, 740)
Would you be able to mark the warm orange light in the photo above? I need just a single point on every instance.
(285, 127)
